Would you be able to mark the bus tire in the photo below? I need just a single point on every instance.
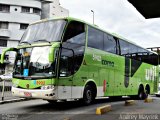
(88, 95)
(141, 93)
(52, 101)
(147, 90)
(115, 98)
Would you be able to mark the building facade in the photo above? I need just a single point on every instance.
(53, 10)
(16, 15)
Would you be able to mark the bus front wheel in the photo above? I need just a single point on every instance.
(88, 95)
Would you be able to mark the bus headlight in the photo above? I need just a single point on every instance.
(47, 87)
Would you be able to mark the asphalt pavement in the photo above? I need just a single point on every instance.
(74, 110)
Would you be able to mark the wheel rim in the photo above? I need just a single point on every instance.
(89, 96)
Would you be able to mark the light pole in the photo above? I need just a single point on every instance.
(93, 15)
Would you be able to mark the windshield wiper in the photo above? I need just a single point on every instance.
(25, 42)
(42, 40)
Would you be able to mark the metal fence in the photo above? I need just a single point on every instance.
(5, 90)
(6, 86)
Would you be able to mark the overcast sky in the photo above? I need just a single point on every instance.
(117, 16)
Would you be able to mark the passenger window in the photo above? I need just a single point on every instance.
(72, 48)
(143, 55)
(75, 33)
(109, 44)
(95, 38)
(133, 51)
(124, 46)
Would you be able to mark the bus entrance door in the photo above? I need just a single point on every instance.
(65, 81)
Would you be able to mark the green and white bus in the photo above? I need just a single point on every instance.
(69, 59)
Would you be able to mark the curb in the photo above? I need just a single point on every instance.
(14, 100)
(103, 109)
(129, 102)
(148, 100)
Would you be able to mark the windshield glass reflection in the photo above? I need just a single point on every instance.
(48, 31)
(34, 63)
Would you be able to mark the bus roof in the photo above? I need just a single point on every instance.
(93, 25)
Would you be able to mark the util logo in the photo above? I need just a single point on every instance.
(151, 73)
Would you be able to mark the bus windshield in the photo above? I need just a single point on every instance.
(33, 63)
(49, 31)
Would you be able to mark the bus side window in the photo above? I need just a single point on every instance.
(124, 46)
(75, 33)
(95, 38)
(133, 51)
(110, 44)
(74, 41)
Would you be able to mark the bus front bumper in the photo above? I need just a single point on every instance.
(43, 94)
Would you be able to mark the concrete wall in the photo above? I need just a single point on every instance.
(53, 10)
(29, 3)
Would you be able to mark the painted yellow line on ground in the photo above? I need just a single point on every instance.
(103, 109)
(148, 100)
(129, 102)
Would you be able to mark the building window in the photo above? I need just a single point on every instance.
(3, 43)
(36, 11)
(25, 9)
(23, 26)
(4, 8)
(3, 25)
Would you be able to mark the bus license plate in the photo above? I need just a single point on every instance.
(27, 94)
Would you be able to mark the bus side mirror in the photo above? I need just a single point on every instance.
(52, 52)
(4, 52)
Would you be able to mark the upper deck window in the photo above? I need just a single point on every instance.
(109, 44)
(75, 33)
(72, 48)
(95, 38)
(44, 31)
